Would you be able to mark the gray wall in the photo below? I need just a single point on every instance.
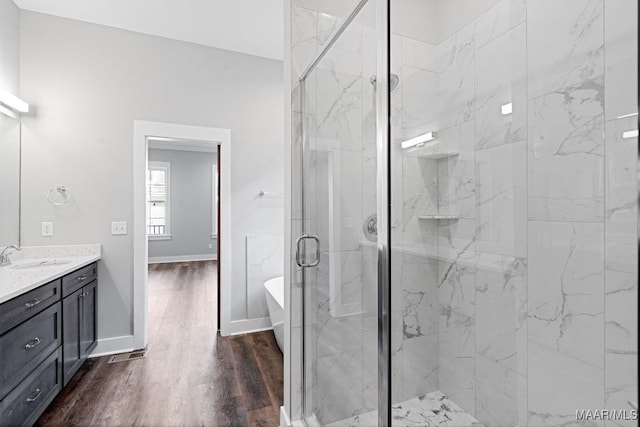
(9, 46)
(88, 84)
(191, 194)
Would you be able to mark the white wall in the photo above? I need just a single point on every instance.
(191, 206)
(9, 46)
(88, 84)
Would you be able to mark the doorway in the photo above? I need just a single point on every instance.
(177, 137)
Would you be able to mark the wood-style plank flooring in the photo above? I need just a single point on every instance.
(190, 376)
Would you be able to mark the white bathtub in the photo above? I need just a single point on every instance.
(275, 301)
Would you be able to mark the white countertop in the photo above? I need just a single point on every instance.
(17, 281)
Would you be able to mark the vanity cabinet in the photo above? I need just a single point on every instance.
(46, 334)
(79, 323)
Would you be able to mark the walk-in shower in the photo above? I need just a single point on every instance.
(469, 169)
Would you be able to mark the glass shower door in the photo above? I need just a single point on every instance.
(337, 156)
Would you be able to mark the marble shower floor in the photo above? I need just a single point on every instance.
(433, 409)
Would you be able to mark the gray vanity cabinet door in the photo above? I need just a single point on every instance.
(71, 314)
(88, 319)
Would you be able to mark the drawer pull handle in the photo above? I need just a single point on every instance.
(31, 304)
(32, 344)
(82, 278)
(34, 396)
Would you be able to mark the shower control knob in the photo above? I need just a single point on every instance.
(370, 227)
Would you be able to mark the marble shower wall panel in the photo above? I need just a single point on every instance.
(566, 289)
(501, 199)
(419, 197)
(500, 80)
(565, 45)
(418, 101)
(566, 154)
(558, 385)
(420, 366)
(337, 333)
(501, 395)
(456, 80)
(621, 255)
(339, 386)
(339, 111)
(501, 311)
(419, 325)
(457, 307)
(621, 59)
(457, 175)
(419, 54)
(420, 296)
(500, 18)
(340, 195)
(304, 40)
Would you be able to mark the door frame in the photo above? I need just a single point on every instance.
(142, 130)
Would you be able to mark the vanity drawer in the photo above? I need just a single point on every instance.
(20, 308)
(24, 405)
(26, 346)
(74, 281)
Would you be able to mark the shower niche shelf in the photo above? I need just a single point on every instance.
(439, 156)
(444, 217)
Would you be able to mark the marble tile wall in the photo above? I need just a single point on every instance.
(540, 270)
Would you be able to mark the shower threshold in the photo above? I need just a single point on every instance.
(433, 409)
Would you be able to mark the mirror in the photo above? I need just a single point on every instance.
(9, 181)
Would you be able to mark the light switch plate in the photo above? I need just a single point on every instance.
(118, 228)
(47, 228)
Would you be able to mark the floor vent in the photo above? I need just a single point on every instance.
(125, 357)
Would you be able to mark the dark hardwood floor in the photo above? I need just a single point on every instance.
(190, 375)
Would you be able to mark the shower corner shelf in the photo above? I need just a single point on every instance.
(445, 217)
(438, 156)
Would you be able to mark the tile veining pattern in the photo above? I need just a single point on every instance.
(524, 309)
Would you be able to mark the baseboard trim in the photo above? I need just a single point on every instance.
(247, 326)
(182, 258)
(115, 345)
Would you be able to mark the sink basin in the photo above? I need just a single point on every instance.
(41, 263)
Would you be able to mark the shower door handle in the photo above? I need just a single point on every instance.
(300, 252)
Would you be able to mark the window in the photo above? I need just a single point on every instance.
(158, 184)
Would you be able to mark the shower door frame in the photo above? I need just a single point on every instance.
(383, 193)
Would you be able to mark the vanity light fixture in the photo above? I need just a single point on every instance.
(506, 109)
(13, 102)
(419, 140)
(8, 112)
(630, 134)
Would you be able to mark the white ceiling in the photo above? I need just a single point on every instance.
(248, 26)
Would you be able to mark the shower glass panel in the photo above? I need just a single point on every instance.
(514, 211)
(334, 127)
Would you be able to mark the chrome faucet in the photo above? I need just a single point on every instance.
(4, 256)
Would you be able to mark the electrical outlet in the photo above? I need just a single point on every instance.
(47, 228)
(118, 228)
(210, 245)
